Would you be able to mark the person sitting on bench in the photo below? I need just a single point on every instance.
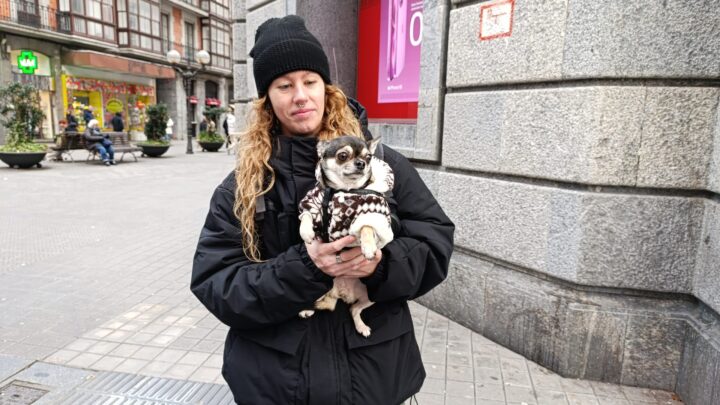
(94, 140)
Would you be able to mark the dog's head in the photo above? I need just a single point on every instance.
(345, 162)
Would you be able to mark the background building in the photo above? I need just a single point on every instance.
(576, 145)
(110, 55)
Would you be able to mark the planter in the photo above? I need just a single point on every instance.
(22, 160)
(211, 146)
(153, 150)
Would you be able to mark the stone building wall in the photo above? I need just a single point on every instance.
(579, 158)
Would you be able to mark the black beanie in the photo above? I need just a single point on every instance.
(284, 45)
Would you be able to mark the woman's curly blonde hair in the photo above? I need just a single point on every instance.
(253, 157)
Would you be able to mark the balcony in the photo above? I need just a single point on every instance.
(31, 15)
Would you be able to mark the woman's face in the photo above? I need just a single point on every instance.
(298, 101)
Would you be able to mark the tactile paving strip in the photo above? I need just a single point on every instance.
(126, 389)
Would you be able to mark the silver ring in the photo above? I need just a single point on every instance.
(338, 259)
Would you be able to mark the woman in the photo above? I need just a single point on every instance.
(254, 273)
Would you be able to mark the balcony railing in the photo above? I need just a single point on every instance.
(30, 14)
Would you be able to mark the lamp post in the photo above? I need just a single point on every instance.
(188, 73)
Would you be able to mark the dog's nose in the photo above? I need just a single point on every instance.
(359, 164)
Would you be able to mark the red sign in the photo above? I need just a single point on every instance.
(193, 99)
(496, 19)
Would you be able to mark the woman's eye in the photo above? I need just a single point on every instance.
(342, 156)
(310, 82)
(284, 86)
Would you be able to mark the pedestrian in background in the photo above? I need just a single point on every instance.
(169, 129)
(117, 123)
(96, 141)
(72, 122)
(254, 273)
(88, 115)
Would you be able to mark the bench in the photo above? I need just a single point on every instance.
(70, 141)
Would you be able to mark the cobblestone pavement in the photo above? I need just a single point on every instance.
(94, 272)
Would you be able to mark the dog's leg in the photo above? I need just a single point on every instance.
(355, 310)
(306, 228)
(327, 301)
(367, 242)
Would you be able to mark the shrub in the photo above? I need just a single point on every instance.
(21, 114)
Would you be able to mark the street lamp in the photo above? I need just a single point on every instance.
(188, 73)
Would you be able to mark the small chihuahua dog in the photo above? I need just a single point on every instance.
(348, 200)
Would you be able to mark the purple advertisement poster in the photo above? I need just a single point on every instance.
(400, 40)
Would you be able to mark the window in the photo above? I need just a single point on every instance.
(165, 32)
(94, 18)
(217, 8)
(139, 21)
(216, 40)
(190, 41)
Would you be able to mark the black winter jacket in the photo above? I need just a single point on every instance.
(272, 356)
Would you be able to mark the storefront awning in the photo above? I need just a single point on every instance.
(117, 64)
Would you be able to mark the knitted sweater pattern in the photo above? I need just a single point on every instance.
(348, 211)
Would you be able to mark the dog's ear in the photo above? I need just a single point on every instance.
(372, 145)
(321, 147)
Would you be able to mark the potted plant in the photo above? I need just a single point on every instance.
(21, 114)
(210, 139)
(156, 144)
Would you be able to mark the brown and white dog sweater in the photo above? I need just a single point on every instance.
(349, 211)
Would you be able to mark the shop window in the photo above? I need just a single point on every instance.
(139, 20)
(93, 18)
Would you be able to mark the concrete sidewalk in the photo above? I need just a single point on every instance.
(95, 265)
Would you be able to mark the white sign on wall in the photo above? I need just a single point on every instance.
(496, 19)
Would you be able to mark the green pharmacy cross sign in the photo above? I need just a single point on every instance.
(27, 62)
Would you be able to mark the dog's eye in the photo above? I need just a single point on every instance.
(342, 156)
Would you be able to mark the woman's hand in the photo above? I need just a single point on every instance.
(335, 262)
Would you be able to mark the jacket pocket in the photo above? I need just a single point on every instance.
(385, 368)
(258, 373)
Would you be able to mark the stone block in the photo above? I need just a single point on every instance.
(431, 57)
(630, 136)
(258, 12)
(465, 279)
(653, 347)
(595, 343)
(400, 137)
(715, 161)
(240, 50)
(513, 222)
(325, 19)
(707, 277)
(677, 140)
(239, 9)
(642, 39)
(644, 242)
(240, 89)
(250, 79)
(533, 52)
(699, 370)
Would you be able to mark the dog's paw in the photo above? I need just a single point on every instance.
(363, 330)
(307, 313)
(369, 251)
(306, 232)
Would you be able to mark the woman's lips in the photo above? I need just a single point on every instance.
(302, 112)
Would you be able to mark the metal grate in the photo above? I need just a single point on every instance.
(18, 394)
(120, 388)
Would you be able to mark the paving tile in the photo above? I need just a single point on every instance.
(103, 347)
(84, 360)
(156, 367)
(491, 392)
(433, 386)
(545, 397)
(607, 390)
(131, 366)
(613, 401)
(194, 358)
(460, 389)
(182, 371)
(488, 375)
(515, 393)
(455, 400)
(62, 356)
(147, 353)
(125, 350)
(581, 399)
(171, 355)
(576, 386)
(81, 344)
(638, 394)
(214, 360)
(108, 363)
(205, 374)
(426, 398)
(459, 373)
